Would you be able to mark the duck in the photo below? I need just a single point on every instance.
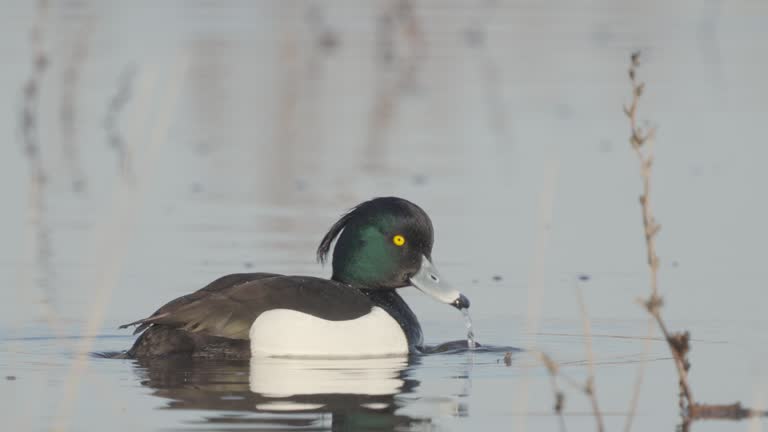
(379, 246)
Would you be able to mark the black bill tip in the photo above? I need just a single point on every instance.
(461, 303)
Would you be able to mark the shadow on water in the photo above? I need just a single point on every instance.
(314, 394)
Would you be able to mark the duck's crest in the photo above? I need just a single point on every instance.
(325, 243)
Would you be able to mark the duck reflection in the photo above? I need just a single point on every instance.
(359, 394)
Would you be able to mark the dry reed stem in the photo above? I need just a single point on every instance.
(642, 142)
(640, 376)
(552, 369)
(536, 276)
(756, 423)
(113, 235)
(589, 388)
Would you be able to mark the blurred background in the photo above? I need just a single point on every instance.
(150, 147)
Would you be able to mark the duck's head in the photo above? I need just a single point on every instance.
(386, 243)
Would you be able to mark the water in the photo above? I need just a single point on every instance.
(182, 141)
(470, 331)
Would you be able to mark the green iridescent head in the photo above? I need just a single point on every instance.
(386, 243)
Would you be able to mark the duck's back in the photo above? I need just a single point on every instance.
(218, 320)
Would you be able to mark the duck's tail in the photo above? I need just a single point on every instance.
(144, 323)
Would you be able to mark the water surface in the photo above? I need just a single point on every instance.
(183, 141)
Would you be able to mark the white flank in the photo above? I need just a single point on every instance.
(289, 333)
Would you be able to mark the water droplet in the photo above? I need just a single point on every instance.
(470, 331)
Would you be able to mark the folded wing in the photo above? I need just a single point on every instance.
(228, 306)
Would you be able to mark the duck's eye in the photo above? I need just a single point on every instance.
(398, 240)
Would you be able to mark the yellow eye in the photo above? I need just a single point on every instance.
(398, 240)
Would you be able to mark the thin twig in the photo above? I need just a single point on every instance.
(536, 277)
(590, 389)
(640, 376)
(553, 369)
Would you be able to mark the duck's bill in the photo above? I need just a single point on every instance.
(428, 280)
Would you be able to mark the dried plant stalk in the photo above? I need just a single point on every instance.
(556, 375)
(589, 387)
(642, 141)
(553, 369)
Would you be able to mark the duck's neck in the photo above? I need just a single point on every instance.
(394, 305)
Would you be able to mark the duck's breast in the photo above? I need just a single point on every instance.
(290, 333)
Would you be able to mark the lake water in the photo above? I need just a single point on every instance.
(181, 141)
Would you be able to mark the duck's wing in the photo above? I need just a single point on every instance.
(229, 309)
(220, 284)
